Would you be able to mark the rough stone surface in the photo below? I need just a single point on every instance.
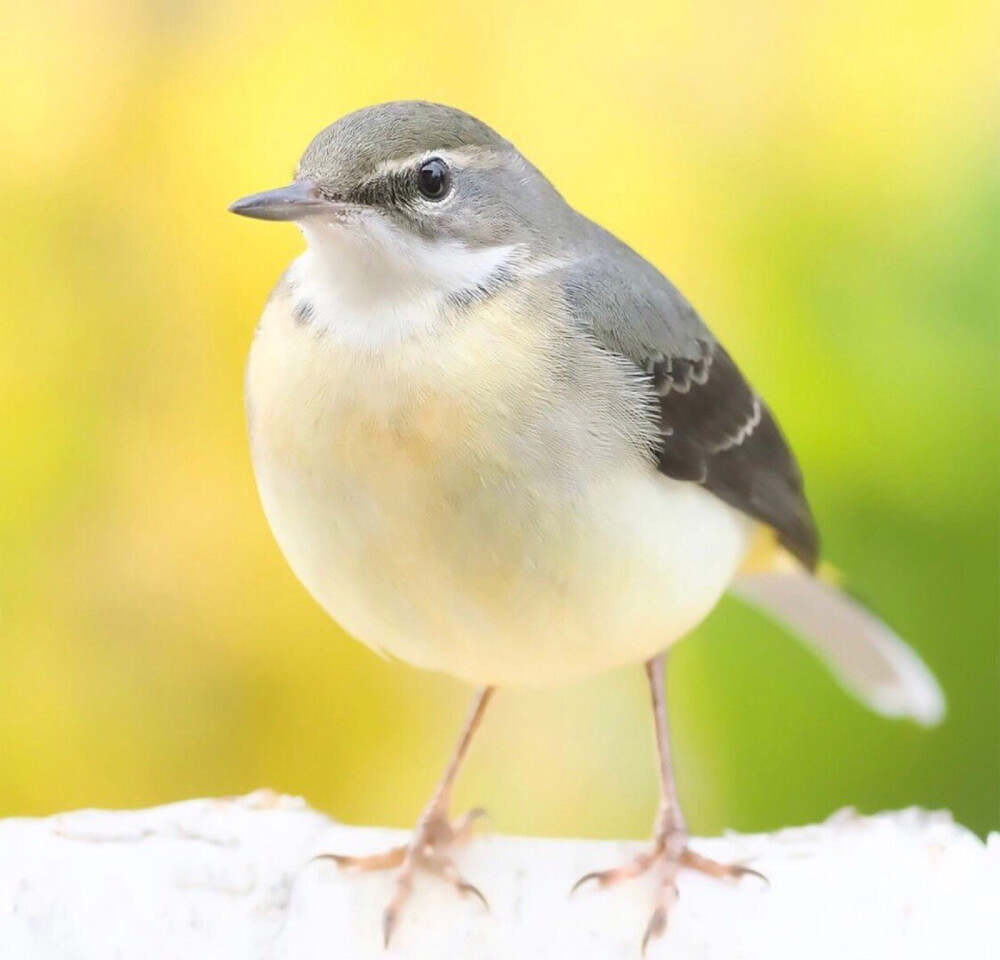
(233, 880)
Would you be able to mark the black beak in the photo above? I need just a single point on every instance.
(293, 202)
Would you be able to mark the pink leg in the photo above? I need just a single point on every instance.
(669, 851)
(435, 837)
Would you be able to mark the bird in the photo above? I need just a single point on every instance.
(493, 440)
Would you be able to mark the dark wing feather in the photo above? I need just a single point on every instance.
(714, 429)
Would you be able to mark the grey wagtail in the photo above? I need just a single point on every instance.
(493, 440)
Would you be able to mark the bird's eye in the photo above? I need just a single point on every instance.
(433, 178)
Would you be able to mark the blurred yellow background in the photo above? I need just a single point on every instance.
(820, 179)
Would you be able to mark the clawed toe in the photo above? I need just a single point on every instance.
(669, 853)
(656, 927)
(431, 851)
(378, 861)
(451, 875)
(608, 878)
(463, 827)
(720, 871)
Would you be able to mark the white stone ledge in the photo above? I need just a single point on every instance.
(232, 880)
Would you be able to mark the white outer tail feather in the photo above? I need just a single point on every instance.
(868, 658)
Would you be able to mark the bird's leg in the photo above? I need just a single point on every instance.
(670, 850)
(435, 836)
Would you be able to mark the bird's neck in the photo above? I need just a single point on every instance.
(372, 284)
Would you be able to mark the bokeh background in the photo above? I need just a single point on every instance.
(822, 181)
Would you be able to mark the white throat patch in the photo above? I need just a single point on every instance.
(369, 283)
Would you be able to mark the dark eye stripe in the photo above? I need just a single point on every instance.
(400, 188)
(390, 189)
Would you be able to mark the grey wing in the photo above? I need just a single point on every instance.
(714, 429)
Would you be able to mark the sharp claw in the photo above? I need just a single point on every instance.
(468, 889)
(597, 876)
(404, 886)
(379, 861)
(655, 928)
(337, 858)
(750, 872)
(388, 925)
(606, 878)
(721, 871)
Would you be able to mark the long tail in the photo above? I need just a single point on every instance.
(868, 658)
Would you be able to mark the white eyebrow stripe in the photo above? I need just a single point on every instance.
(474, 157)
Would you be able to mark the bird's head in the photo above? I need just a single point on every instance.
(417, 196)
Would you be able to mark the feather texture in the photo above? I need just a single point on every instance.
(713, 428)
(868, 658)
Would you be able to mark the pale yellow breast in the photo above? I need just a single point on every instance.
(477, 500)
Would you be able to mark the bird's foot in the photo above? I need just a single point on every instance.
(430, 850)
(668, 854)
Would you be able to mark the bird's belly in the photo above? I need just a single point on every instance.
(487, 589)
(499, 536)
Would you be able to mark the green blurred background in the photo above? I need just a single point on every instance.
(820, 179)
